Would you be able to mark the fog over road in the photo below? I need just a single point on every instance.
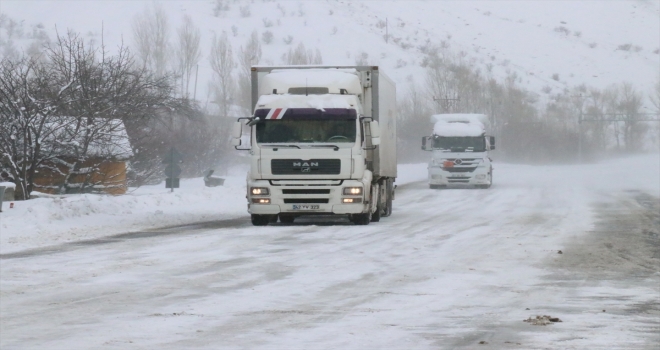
(454, 268)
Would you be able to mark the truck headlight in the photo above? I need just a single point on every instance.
(351, 200)
(259, 191)
(352, 191)
(261, 200)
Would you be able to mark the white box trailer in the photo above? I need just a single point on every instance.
(300, 159)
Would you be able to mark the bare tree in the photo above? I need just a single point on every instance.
(66, 114)
(302, 56)
(28, 115)
(152, 36)
(595, 110)
(630, 106)
(222, 63)
(612, 98)
(655, 97)
(415, 113)
(188, 52)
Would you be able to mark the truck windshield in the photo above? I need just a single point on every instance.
(460, 144)
(294, 131)
(298, 125)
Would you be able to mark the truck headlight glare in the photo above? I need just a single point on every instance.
(352, 191)
(261, 200)
(351, 200)
(259, 191)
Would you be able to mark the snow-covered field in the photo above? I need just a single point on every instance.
(456, 268)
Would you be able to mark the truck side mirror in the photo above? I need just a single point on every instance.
(237, 131)
(427, 143)
(236, 134)
(375, 129)
(492, 142)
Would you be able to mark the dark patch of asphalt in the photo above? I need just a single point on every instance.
(121, 237)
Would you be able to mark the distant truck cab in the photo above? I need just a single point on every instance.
(460, 151)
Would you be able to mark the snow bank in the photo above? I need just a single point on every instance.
(65, 218)
(8, 185)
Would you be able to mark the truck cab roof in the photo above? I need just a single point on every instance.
(335, 81)
(311, 101)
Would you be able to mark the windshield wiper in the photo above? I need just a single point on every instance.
(331, 146)
(275, 147)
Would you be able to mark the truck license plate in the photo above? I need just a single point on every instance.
(306, 207)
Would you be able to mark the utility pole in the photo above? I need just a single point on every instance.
(195, 91)
(387, 36)
(580, 137)
(447, 102)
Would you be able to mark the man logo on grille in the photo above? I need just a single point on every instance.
(306, 169)
(306, 164)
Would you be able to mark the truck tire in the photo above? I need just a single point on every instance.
(361, 219)
(260, 220)
(375, 217)
(287, 219)
(389, 193)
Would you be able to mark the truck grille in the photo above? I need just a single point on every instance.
(305, 167)
(460, 169)
(306, 200)
(306, 191)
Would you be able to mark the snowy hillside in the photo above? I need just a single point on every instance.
(549, 45)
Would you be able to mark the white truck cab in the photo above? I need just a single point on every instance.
(460, 151)
(316, 146)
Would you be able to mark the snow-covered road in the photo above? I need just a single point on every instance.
(456, 268)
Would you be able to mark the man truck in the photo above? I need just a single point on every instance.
(460, 147)
(322, 142)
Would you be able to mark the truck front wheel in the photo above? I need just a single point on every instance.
(375, 217)
(260, 220)
(361, 219)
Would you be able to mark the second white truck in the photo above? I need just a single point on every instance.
(322, 142)
(460, 148)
